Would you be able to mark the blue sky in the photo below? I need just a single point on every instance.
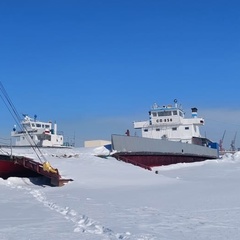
(96, 66)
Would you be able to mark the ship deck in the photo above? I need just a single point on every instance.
(19, 166)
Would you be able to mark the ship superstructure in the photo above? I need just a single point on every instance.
(169, 122)
(34, 132)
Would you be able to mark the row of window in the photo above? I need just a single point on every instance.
(167, 113)
(173, 129)
(38, 125)
(50, 138)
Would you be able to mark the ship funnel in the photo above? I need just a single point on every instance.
(194, 112)
(175, 103)
(55, 128)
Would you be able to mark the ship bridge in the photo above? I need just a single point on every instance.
(169, 122)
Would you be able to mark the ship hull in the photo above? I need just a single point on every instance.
(148, 153)
(148, 160)
(9, 168)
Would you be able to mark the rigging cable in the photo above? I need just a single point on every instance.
(13, 111)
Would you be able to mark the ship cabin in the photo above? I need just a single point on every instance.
(33, 125)
(37, 132)
(169, 122)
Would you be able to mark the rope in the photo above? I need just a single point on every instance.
(13, 111)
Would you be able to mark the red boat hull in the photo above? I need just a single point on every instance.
(149, 160)
(10, 168)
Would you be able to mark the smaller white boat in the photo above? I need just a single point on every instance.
(34, 132)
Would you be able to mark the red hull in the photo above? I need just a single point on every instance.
(18, 166)
(9, 168)
(149, 160)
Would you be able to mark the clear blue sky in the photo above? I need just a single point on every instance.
(96, 66)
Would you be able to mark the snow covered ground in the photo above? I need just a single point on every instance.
(110, 199)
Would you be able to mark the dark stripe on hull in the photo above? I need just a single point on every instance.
(148, 160)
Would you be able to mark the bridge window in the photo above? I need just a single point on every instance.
(164, 113)
(175, 112)
(154, 114)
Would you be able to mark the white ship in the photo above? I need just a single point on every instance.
(36, 133)
(167, 137)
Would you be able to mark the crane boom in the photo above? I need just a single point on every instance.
(221, 142)
(233, 148)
